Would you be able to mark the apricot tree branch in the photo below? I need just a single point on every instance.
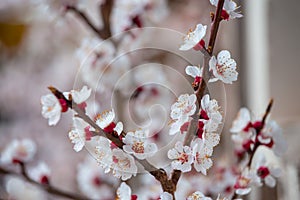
(47, 187)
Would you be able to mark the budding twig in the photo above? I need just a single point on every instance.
(168, 185)
(193, 126)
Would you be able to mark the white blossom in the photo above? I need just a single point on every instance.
(193, 71)
(230, 9)
(210, 113)
(245, 181)
(18, 151)
(193, 38)
(182, 157)
(80, 133)
(136, 143)
(184, 107)
(106, 121)
(123, 165)
(202, 154)
(40, 173)
(198, 196)
(93, 182)
(103, 153)
(223, 67)
(272, 137)
(124, 192)
(82, 95)
(242, 120)
(266, 171)
(51, 109)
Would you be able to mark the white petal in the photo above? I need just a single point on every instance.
(193, 71)
(119, 128)
(223, 56)
(270, 181)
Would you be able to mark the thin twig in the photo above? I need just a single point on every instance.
(50, 189)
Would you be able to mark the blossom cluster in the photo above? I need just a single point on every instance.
(195, 119)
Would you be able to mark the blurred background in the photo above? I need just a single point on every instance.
(38, 44)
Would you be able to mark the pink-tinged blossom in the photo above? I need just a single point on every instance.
(202, 154)
(229, 9)
(184, 107)
(266, 171)
(93, 182)
(182, 157)
(105, 121)
(198, 196)
(123, 165)
(223, 68)
(165, 196)
(103, 153)
(242, 121)
(18, 151)
(245, 181)
(40, 173)
(79, 97)
(194, 38)
(51, 108)
(80, 133)
(181, 110)
(136, 143)
(124, 192)
(196, 73)
(178, 126)
(272, 137)
(210, 114)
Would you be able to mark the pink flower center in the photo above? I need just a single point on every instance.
(242, 182)
(247, 145)
(44, 180)
(64, 105)
(137, 21)
(249, 125)
(203, 115)
(115, 159)
(263, 172)
(200, 129)
(225, 15)
(184, 127)
(183, 158)
(199, 46)
(97, 181)
(88, 133)
(257, 125)
(197, 81)
(110, 128)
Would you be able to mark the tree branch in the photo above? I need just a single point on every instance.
(50, 189)
(159, 174)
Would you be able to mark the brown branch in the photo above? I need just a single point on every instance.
(215, 27)
(159, 174)
(202, 89)
(251, 154)
(263, 122)
(84, 18)
(50, 189)
(105, 9)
